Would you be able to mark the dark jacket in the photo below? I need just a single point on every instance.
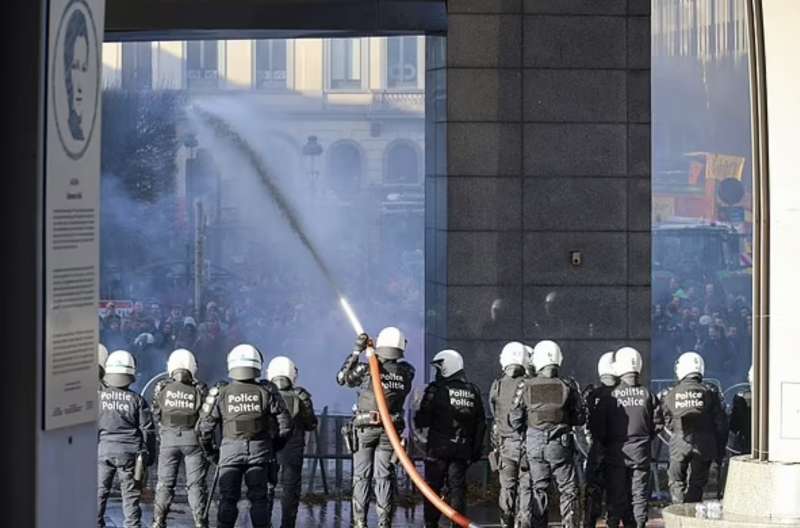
(253, 417)
(625, 420)
(694, 414)
(396, 378)
(452, 410)
(124, 424)
(176, 409)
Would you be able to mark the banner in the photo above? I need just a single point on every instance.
(72, 194)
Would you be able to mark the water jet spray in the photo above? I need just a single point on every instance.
(223, 130)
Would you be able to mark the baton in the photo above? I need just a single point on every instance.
(211, 494)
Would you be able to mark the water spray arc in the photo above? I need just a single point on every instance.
(223, 130)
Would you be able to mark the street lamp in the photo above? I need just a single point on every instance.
(311, 151)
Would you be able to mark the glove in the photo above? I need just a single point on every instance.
(361, 343)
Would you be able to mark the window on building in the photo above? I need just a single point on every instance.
(345, 64)
(270, 64)
(202, 64)
(137, 62)
(344, 171)
(402, 62)
(402, 165)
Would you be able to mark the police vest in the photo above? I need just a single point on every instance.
(396, 378)
(689, 405)
(505, 391)
(546, 399)
(180, 405)
(243, 408)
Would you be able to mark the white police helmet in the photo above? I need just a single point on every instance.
(391, 343)
(689, 363)
(448, 362)
(605, 366)
(120, 369)
(750, 375)
(514, 353)
(626, 360)
(244, 362)
(547, 353)
(102, 355)
(182, 359)
(282, 366)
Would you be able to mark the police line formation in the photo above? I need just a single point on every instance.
(249, 428)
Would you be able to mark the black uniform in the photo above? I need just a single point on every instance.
(372, 458)
(693, 412)
(624, 421)
(290, 458)
(595, 463)
(253, 417)
(513, 470)
(452, 410)
(741, 426)
(176, 408)
(124, 430)
(550, 406)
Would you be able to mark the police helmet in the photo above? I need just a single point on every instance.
(244, 362)
(120, 369)
(182, 359)
(547, 353)
(689, 363)
(605, 367)
(448, 362)
(102, 355)
(282, 366)
(626, 360)
(391, 343)
(514, 353)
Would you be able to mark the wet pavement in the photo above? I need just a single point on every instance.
(331, 514)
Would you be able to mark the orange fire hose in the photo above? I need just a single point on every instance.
(405, 460)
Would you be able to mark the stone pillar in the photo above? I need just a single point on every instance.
(539, 146)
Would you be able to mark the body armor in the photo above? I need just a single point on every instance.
(242, 406)
(546, 399)
(179, 404)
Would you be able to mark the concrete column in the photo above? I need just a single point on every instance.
(539, 146)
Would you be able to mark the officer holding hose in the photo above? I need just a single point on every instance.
(373, 461)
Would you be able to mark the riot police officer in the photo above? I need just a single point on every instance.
(626, 420)
(595, 474)
(508, 445)
(452, 411)
(549, 407)
(694, 414)
(741, 412)
(126, 438)
(373, 461)
(253, 418)
(283, 373)
(176, 408)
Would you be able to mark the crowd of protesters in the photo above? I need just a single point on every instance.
(703, 318)
(275, 316)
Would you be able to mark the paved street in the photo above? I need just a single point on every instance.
(334, 514)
